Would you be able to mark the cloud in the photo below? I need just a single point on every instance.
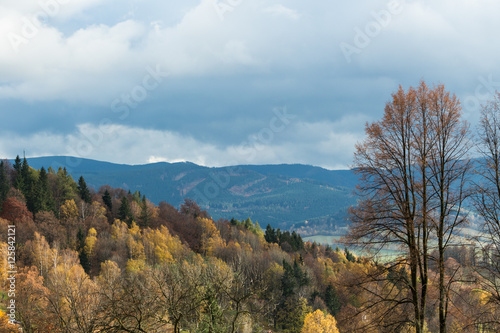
(280, 10)
(279, 142)
(228, 71)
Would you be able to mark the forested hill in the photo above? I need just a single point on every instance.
(310, 199)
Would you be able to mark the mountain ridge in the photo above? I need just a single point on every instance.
(309, 199)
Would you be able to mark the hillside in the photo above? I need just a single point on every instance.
(310, 199)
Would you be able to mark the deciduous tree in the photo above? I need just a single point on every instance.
(318, 322)
(414, 168)
(487, 203)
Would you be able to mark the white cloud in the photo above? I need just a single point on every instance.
(280, 10)
(310, 143)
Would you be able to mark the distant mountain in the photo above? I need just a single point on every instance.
(310, 199)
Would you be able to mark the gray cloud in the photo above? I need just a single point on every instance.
(91, 63)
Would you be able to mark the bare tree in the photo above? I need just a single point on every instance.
(450, 168)
(387, 215)
(487, 204)
(413, 185)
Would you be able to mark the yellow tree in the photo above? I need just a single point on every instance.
(42, 254)
(4, 268)
(318, 322)
(160, 246)
(69, 211)
(90, 242)
(72, 296)
(210, 239)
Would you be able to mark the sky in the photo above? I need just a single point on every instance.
(226, 82)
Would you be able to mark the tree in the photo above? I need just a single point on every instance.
(106, 198)
(63, 187)
(19, 179)
(487, 203)
(414, 167)
(31, 302)
(82, 253)
(191, 208)
(42, 196)
(450, 168)
(146, 215)
(180, 289)
(4, 182)
(387, 211)
(83, 190)
(270, 235)
(290, 317)
(332, 300)
(72, 297)
(124, 212)
(318, 322)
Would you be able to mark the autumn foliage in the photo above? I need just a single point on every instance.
(113, 261)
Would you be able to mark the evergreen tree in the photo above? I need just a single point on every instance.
(106, 198)
(17, 168)
(124, 212)
(83, 190)
(42, 195)
(288, 281)
(349, 256)
(65, 186)
(136, 196)
(4, 182)
(84, 260)
(145, 217)
(17, 164)
(26, 177)
(19, 179)
(270, 235)
(332, 300)
(248, 224)
(27, 183)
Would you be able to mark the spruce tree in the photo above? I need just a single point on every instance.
(84, 260)
(4, 182)
(145, 217)
(27, 183)
(332, 300)
(43, 199)
(124, 212)
(84, 191)
(18, 180)
(106, 198)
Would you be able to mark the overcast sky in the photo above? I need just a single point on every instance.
(224, 82)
